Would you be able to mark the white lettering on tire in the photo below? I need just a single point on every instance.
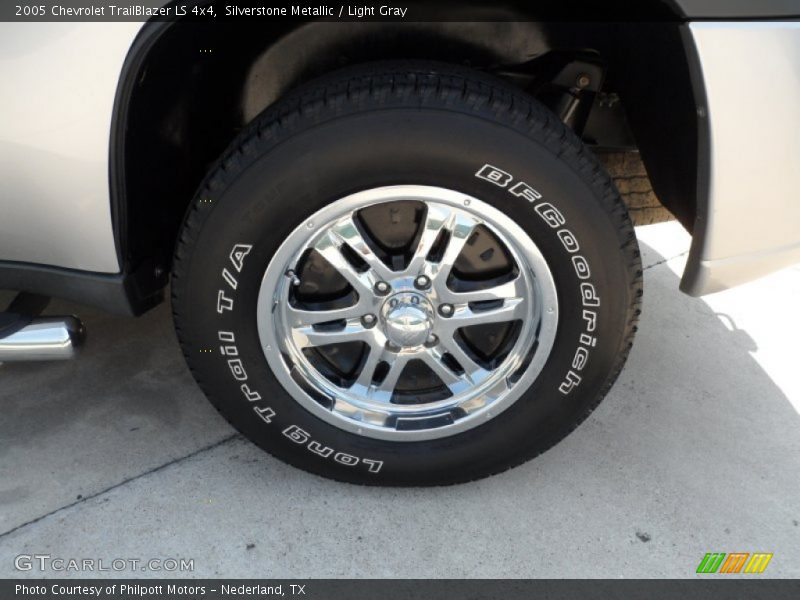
(303, 438)
(230, 351)
(588, 293)
(494, 175)
(238, 254)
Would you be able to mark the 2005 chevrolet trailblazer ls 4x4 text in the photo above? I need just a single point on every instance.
(396, 251)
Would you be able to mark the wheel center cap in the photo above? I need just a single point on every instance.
(407, 319)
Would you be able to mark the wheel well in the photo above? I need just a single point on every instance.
(188, 88)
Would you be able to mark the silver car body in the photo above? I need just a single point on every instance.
(751, 224)
(54, 141)
(58, 100)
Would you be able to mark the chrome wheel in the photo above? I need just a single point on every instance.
(407, 313)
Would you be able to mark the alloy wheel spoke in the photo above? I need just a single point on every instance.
(437, 219)
(513, 309)
(509, 290)
(301, 317)
(353, 331)
(348, 233)
(460, 227)
(456, 382)
(474, 372)
(367, 374)
(385, 389)
(330, 247)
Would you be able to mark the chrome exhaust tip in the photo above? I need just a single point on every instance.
(45, 338)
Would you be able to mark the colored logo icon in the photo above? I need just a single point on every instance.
(735, 562)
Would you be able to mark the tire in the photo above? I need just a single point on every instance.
(429, 131)
(627, 171)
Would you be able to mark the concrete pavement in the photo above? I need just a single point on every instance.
(696, 449)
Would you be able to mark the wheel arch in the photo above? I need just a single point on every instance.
(189, 87)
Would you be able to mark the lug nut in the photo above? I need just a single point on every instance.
(432, 340)
(368, 320)
(422, 282)
(446, 310)
(382, 287)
